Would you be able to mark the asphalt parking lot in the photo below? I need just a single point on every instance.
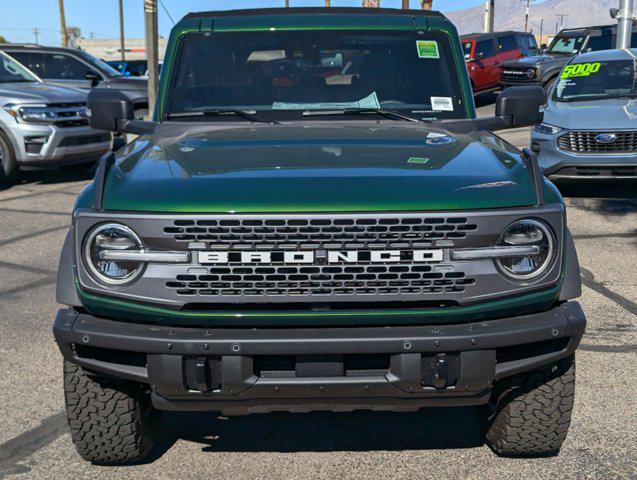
(435, 443)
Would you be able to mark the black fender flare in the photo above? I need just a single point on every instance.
(66, 291)
(572, 283)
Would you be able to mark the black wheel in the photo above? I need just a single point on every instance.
(111, 421)
(8, 166)
(534, 412)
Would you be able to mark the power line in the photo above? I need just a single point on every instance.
(161, 2)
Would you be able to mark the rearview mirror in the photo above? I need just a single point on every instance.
(521, 106)
(112, 110)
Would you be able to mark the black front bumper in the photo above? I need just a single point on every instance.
(246, 370)
(507, 83)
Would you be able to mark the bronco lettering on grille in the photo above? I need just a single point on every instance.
(310, 257)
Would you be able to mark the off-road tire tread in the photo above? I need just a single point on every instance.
(535, 421)
(109, 419)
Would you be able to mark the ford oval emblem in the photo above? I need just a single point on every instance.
(606, 138)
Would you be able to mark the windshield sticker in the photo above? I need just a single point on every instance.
(580, 70)
(427, 49)
(442, 104)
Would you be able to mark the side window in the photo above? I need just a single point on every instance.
(507, 43)
(604, 42)
(486, 48)
(64, 67)
(633, 40)
(25, 59)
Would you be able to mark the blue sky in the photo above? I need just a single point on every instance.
(18, 18)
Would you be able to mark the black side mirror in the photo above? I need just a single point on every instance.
(112, 110)
(520, 106)
(93, 77)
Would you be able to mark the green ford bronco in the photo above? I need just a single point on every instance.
(316, 220)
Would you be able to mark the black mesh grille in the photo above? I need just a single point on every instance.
(585, 142)
(322, 280)
(290, 234)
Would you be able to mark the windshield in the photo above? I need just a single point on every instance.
(12, 71)
(102, 65)
(287, 71)
(597, 80)
(568, 45)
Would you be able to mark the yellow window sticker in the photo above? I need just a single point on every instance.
(427, 49)
(580, 70)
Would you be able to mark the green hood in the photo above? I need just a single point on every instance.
(315, 167)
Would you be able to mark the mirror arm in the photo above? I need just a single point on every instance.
(478, 124)
(137, 127)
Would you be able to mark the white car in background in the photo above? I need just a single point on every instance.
(42, 124)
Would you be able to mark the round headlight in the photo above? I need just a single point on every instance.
(527, 233)
(111, 236)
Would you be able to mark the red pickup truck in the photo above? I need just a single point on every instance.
(485, 52)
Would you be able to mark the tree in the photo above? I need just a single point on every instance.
(3, 40)
(426, 4)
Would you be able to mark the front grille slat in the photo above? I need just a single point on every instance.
(584, 142)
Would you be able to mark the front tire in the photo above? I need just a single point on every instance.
(110, 420)
(535, 412)
(8, 165)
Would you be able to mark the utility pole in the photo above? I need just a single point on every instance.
(561, 17)
(287, 3)
(489, 12)
(526, 15)
(327, 3)
(625, 23)
(65, 36)
(541, 29)
(36, 33)
(405, 4)
(150, 19)
(122, 46)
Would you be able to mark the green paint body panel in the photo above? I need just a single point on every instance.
(519, 305)
(346, 166)
(333, 168)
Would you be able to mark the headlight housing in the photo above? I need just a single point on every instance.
(527, 232)
(111, 236)
(45, 113)
(530, 72)
(546, 129)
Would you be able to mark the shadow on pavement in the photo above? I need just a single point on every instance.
(54, 176)
(606, 197)
(433, 428)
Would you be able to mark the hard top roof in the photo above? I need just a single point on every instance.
(606, 55)
(313, 11)
(485, 36)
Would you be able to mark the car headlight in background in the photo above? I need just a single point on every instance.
(530, 267)
(45, 113)
(546, 129)
(112, 237)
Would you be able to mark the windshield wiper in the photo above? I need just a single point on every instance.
(246, 114)
(360, 111)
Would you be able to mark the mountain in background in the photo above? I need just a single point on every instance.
(509, 15)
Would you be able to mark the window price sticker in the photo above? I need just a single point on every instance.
(427, 49)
